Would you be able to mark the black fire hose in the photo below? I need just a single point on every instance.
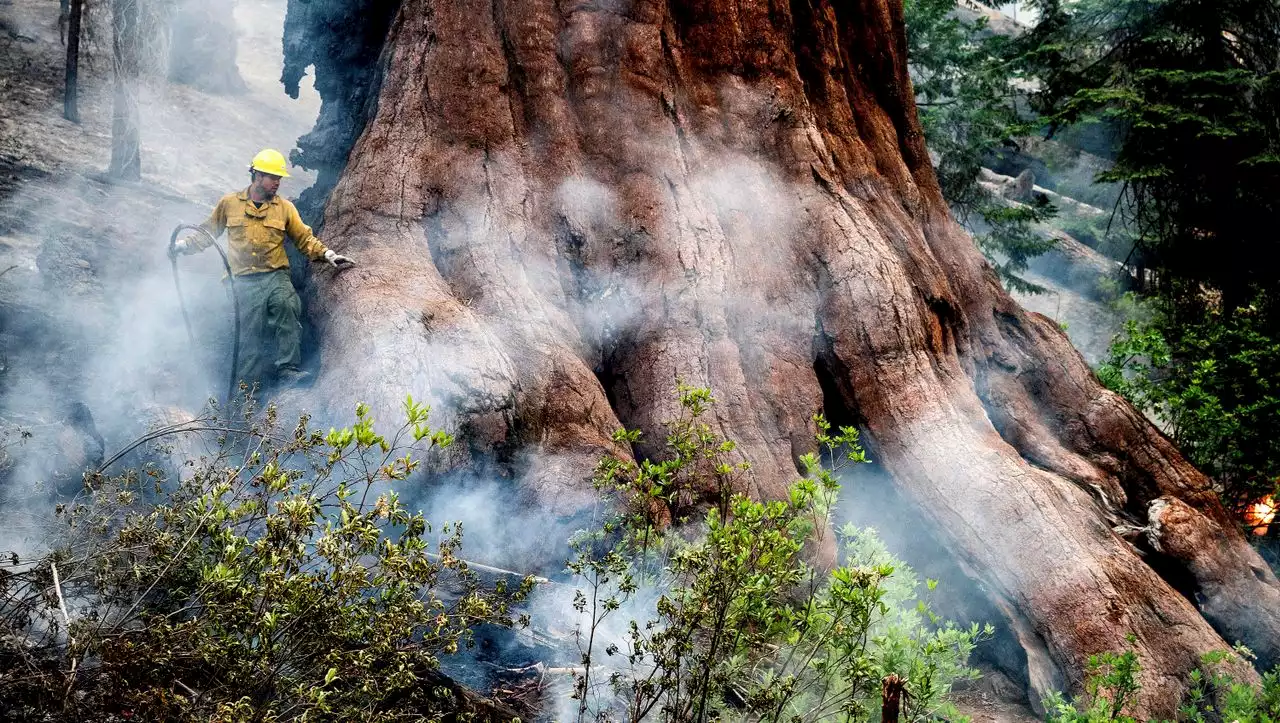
(235, 299)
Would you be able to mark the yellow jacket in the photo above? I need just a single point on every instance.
(255, 236)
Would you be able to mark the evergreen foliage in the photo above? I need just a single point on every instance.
(1112, 685)
(1217, 398)
(1193, 86)
(966, 86)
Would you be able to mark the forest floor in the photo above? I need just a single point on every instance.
(83, 259)
(195, 145)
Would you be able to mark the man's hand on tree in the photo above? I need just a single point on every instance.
(337, 260)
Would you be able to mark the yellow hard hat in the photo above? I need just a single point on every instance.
(271, 161)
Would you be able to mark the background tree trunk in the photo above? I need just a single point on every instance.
(126, 144)
(70, 103)
(202, 52)
(562, 208)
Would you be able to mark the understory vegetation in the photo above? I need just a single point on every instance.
(279, 578)
(1215, 696)
(728, 615)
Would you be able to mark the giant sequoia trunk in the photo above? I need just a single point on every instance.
(560, 207)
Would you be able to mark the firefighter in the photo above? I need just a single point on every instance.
(257, 222)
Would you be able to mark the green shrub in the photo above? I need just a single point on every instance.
(281, 580)
(1216, 697)
(729, 619)
(1215, 389)
(1111, 689)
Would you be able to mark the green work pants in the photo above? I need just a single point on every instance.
(270, 326)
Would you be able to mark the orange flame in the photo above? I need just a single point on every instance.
(1261, 514)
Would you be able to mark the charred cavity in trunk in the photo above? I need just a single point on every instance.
(942, 329)
(835, 405)
(591, 297)
(610, 379)
(1171, 570)
(834, 378)
(343, 40)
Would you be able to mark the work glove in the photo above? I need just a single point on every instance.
(181, 247)
(337, 260)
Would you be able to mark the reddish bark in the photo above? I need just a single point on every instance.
(749, 181)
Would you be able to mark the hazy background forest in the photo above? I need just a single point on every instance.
(1148, 129)
(1116, 161)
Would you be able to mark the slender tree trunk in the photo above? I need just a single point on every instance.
(561, 209)
(70, 104)
(126, 144)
